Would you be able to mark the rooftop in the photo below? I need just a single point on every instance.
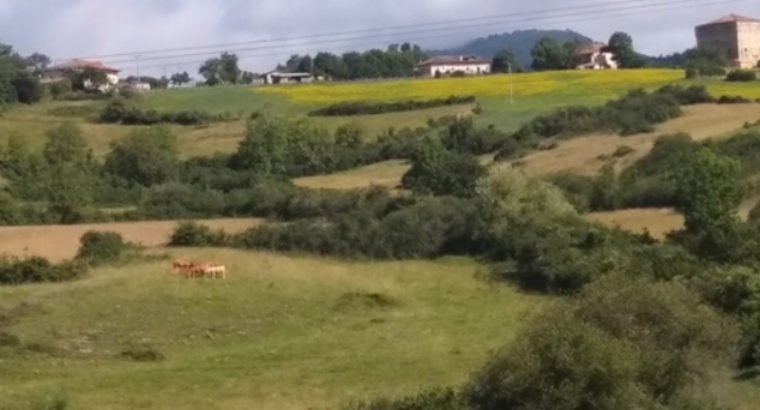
(591, 48)
(454, 60)
(734, 18)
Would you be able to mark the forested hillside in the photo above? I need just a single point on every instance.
(519, 42)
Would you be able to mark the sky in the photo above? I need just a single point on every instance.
(65, 29)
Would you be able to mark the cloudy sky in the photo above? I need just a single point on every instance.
(85, 28)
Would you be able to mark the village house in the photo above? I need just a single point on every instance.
(278, 77)
(449, 65)
(69, 69)
(736, 38)
(595, 56)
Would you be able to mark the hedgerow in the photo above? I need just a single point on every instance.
(370, 108)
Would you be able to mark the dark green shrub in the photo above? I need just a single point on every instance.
(9, 340)
(623, 151)
(369, 108)
(60, 88)
(37, 270)
(578, 189)
(143, 355)
(728, 99)
(119, 112)
(622, 344)
(99, 248)
(741, 76)
(439, 172)
(190, 234)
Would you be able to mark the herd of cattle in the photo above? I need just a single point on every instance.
(200, 270)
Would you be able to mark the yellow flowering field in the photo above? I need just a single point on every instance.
(529, 84)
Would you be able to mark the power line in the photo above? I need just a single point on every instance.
(621, 12)
(599, 10)
(363, 31)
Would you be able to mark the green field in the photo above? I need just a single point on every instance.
(284, 332)
(534, 94)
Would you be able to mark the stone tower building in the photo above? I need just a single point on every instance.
(737, 38)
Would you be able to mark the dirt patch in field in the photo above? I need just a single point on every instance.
(587, 155)
(658, 222)
(386, 174)
(61, 242)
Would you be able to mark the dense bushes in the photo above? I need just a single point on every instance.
(437, 171)
(37, 270)
(429, 228)
(191, 234)
(119, 112)
(625, 344)
(98, 248)
(367, 108)
(741, 76)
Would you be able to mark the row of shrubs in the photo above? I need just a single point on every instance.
(636, 112)
(742, 76)
(369, 108)
(648, 183)
(119, 112)
(96, 249)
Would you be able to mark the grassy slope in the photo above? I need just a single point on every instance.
(588, 154)
(283, 332)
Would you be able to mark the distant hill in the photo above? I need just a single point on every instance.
(520, 42)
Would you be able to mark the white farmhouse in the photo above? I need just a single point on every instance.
(450, 65)
(66, 70)
(595, 56)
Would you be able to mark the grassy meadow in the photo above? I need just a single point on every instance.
(284, 332)
(534, 94)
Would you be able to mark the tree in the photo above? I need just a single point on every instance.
(223, 69)
(89, 79)
(709, 189)
(180, 78)
(68, 176)
(709, 192)
(440, 172)
(146, 157)
(38, 62)
(17, 83)
(621, 45)
(504, 60)
(548, 54)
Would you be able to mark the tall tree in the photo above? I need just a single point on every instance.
(38, 62)
(146, 157)
(548, 54)
(223, 69)
(69, 174)
(180, 78)
(621, 45)
(504, 60)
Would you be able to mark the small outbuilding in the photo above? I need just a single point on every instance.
(452, 65)
(278, 77)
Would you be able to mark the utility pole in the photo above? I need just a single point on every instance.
(137, 62)
(511, 85)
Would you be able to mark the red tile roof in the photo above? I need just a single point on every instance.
(454, 60)
(78, 64)
(734, 18)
